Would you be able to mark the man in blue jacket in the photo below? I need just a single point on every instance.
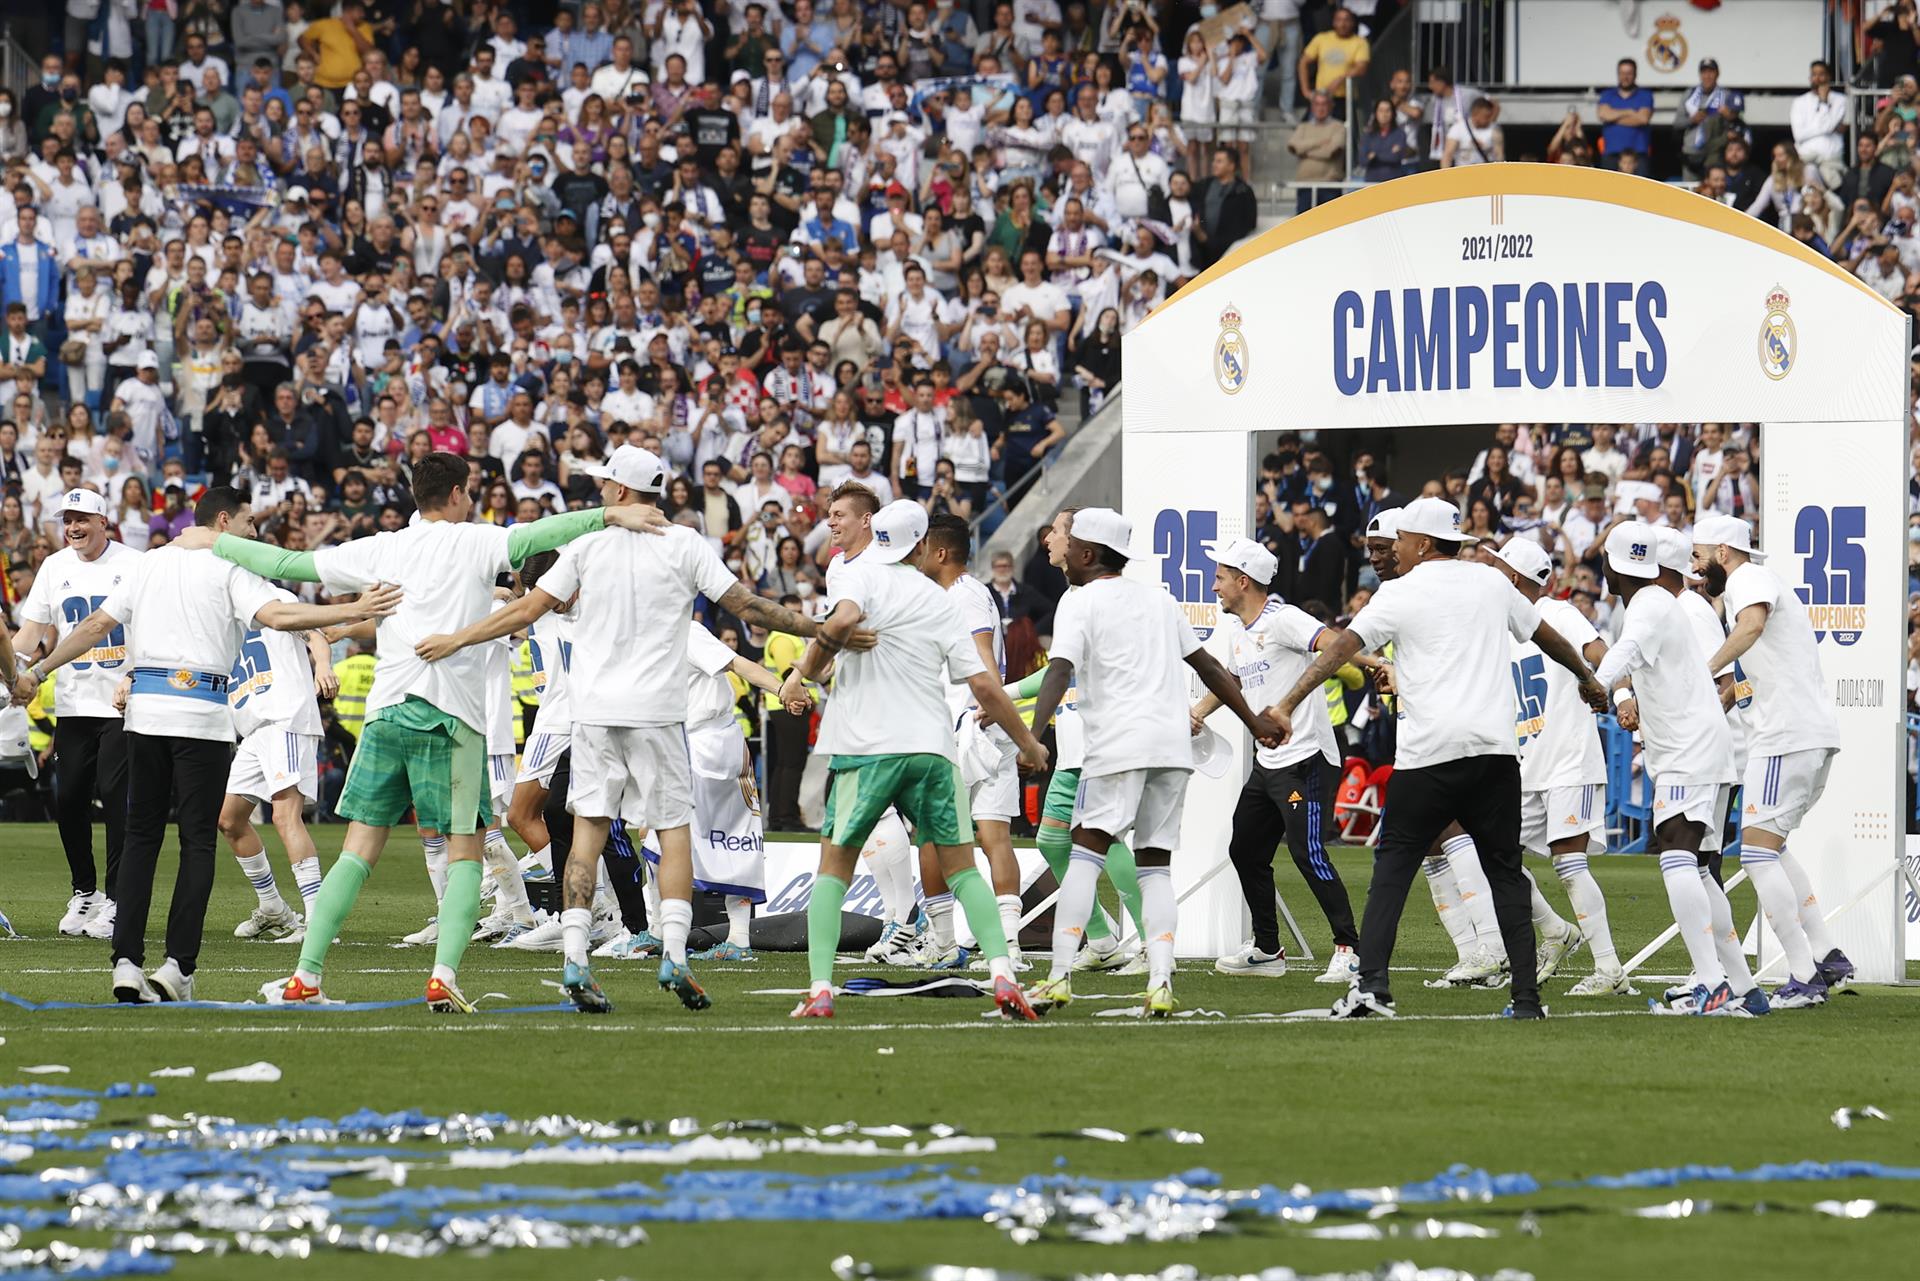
(30, 275)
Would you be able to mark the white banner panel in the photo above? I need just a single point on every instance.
(1536, 293)
(1577, 42)
(1835, 532)
(1515, 293)
(1188, 493)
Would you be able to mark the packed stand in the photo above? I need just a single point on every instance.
(298, 249)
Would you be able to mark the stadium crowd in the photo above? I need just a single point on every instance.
(296, 247)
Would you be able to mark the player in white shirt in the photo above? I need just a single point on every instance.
(1793, 736)
(1688, 749)
(186, 613)
(423, 746)
(273, 693)
(729, 853)
(1127, 645)
(90, 752)
(1461, 896)
(1104, 949)
(1455, 754)
(989, 763)
(1563, 777)
(1675, 551)
(630, 758)
(1290, 785)
(891, 742)
(512, 912)
(550, 642)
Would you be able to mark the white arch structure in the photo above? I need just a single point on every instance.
(1539, 293)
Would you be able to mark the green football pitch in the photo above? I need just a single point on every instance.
(1601, 1088)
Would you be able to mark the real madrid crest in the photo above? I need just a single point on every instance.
(1778, 343)
(1666, 47)
(1230, 364)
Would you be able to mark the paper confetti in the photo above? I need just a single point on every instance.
(251, 1074)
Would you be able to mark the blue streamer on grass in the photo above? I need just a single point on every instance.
(118, 1263)
(86, 1111)
(118, 1090)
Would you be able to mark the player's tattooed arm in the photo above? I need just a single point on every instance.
(758, 611)
(1337, 649)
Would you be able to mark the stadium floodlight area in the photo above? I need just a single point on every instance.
(1541, 293)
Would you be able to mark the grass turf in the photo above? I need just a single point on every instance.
(1325, 1105)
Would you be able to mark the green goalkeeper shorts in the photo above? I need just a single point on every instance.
(1061, 791)
(415, 756)
(925, 788)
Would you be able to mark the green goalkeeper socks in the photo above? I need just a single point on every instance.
(330, 908)
(975, 898)
(1056, 844)
(459, 913)
(1125, 875)
(823, 926)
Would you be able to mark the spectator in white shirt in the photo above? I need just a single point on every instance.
(1709, 454)
(1604, 457)
(1134, 172)
(1819, 120)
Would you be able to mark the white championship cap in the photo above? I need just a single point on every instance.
(1105, 527)
(638, 469)
(1726, 531)
(1385, 524)
(84, 501)
(1528, 559)
(1211, 754)
(1250, 558)
(147, 361)
(1434, 517)
(897, 529)
(1675, 552)
(1633, 550)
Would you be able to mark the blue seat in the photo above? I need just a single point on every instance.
(1629, 800)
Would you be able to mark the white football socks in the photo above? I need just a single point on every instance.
(260, 871)
(1159, 913)
(1782, 906)
(892, 871)
(510, 890)
(435, 848)
(1074, 906)
(1813, 919)
(1726, 938)
(1545, 919)
(575, 924)
(1589, 908)
(543, 857)
(1476, 894)
(1679, 869)
(676, 918)
(940, 920)
(739, 920)
(650, 892)
(1446, 901)
(1010, 913)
